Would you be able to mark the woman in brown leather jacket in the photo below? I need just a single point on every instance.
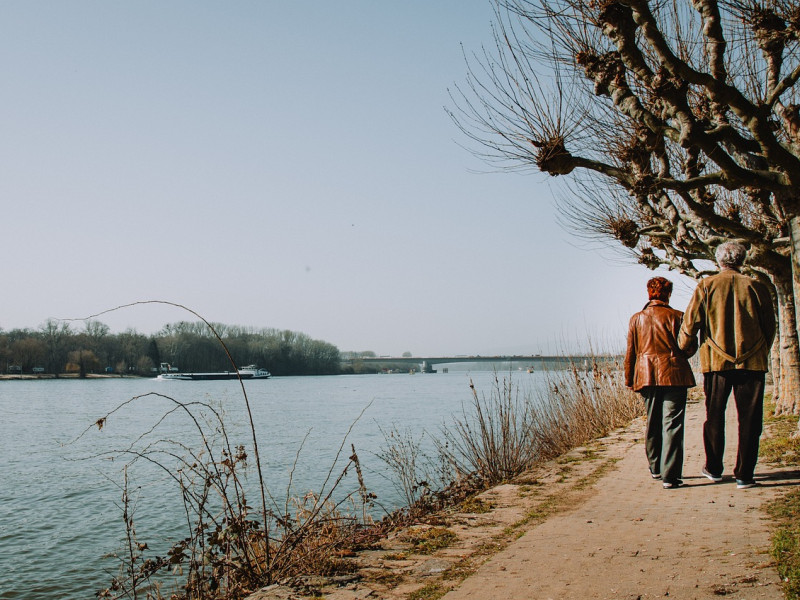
(657, 368)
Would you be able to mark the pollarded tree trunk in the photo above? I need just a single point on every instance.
(775, 368)
(794, 234)
(787, 390)
(775, 349)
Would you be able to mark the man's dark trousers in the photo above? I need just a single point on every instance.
(748, 392)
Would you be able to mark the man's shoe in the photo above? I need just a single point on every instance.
(714, 478)
(671, 485)
(743, 484)
(655, 475)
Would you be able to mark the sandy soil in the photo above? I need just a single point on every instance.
(590, 525)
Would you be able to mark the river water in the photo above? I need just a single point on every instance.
(60, 488)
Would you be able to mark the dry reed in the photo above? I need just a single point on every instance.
(504, 434)
(229, 551)
(581, 403)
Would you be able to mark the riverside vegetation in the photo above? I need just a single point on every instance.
(57, 348)
(231, 549)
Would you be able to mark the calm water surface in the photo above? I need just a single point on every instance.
(60, 515)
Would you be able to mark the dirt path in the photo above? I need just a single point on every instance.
(591, 524)
(632, 539)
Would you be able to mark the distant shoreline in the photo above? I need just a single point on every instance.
(29, 377)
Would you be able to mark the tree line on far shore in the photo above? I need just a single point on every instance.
(57, 347)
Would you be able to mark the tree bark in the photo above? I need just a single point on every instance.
(775, 366)
(787, 381)
(794, 234)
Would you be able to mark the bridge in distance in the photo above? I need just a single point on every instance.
(537, 361)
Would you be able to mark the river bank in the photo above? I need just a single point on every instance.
(62, 529)
(590, 524)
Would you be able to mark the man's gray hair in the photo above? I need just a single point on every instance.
(730, 254)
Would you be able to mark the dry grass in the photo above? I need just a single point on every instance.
(781, 446)
(427, 540)
(431, 591)
(502, 435)
(494, 436)
(582, 404)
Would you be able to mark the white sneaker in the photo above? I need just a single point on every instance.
(714, 478)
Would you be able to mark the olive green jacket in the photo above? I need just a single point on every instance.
(735, 319)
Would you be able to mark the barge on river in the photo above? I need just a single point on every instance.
(249, 372)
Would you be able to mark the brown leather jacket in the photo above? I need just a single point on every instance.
(653, 356)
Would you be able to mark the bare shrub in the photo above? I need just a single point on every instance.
(581, 403)
(494, 435)
(417, 472)
(228, 551)
(500, 436)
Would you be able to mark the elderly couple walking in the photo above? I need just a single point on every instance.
(734, 317)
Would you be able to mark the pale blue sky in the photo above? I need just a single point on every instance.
(279, 164)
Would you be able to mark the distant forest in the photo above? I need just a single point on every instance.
(59, 348)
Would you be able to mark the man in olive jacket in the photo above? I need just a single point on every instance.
(735, 318)
(657, 369)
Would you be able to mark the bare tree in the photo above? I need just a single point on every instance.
(678, 121)
(55, 335)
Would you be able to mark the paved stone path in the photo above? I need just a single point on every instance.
(633, 540)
